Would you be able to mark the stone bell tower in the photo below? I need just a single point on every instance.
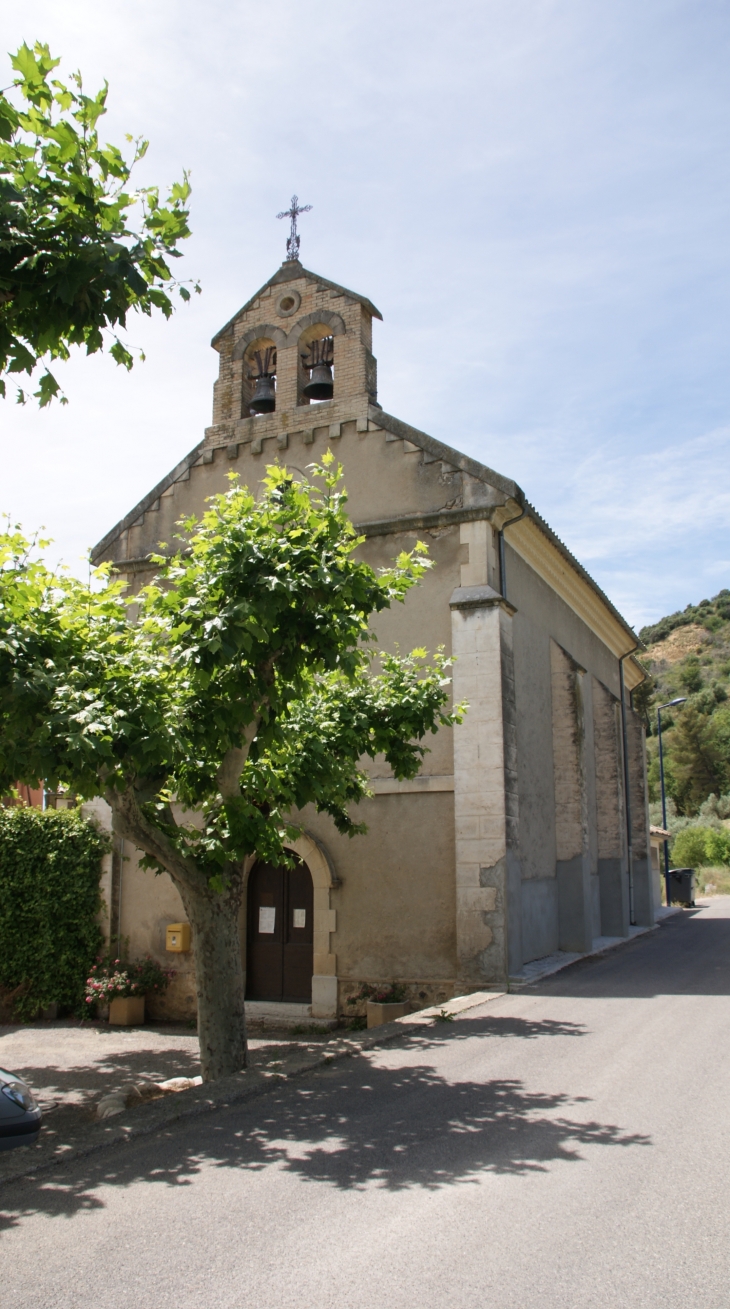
(298, 355)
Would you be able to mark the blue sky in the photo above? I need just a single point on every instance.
(535, 194)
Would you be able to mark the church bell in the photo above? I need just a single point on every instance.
(263, 400)
(320, 385)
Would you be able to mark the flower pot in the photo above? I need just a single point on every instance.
(385, 1013)
(127, 1011)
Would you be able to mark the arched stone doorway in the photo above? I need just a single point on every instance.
(280, 933)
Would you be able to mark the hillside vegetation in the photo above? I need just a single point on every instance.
(688, 654)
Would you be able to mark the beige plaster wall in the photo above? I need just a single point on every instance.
(395, 901)
(148, 902)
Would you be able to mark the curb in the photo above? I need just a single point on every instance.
(237, 1089)
(554, 964)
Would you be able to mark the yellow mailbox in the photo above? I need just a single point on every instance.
(177, 937)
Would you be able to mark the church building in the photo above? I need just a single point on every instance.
(526, 833)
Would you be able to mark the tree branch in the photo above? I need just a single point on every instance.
(228, 776)
(131, 823)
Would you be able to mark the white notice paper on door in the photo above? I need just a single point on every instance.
(300, 918)
(267, 919)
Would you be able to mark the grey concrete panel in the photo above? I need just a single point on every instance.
(574, 904)
(595, 894)
(540, 933)
(643, 892)
(614, 884)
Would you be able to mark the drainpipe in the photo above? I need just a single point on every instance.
(502, 559)
(119, 901)
(627, 792)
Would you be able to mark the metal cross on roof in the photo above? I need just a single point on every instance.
(292, 242)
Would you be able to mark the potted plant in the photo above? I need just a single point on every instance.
(123, 986)
(383, 1003)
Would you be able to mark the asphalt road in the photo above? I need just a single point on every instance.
(567, 1146)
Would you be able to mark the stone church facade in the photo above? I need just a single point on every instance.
(526, 832)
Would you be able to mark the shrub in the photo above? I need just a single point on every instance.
(49, 902)
(717, 847)
(690, 847)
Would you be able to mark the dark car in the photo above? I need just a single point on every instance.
(20, 1117)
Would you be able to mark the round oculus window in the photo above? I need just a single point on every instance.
(288, 303)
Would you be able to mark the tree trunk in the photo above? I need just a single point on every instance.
(213, 917)
(218, 975)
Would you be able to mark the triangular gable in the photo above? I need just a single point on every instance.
(290, 270)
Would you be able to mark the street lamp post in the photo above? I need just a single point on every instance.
(668, 705)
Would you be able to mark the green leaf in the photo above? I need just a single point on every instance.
(76, 263)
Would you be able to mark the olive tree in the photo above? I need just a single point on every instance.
(248, 686)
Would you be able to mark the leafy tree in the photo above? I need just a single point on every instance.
(641, 699)
(699, 758)
(246, 690)
(71, 265)
(690, 677)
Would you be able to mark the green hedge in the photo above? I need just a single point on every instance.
(49, 901)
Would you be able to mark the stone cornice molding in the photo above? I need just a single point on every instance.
(421, 522)
(480, 597)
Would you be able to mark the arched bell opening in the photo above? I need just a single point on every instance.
(259, 378)
(316, 364)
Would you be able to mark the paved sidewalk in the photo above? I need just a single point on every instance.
(70, 1065)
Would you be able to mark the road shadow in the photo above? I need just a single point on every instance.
(689, 954)
(109, 1072)
(354, 1124)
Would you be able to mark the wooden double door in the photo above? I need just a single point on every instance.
(279, 938)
